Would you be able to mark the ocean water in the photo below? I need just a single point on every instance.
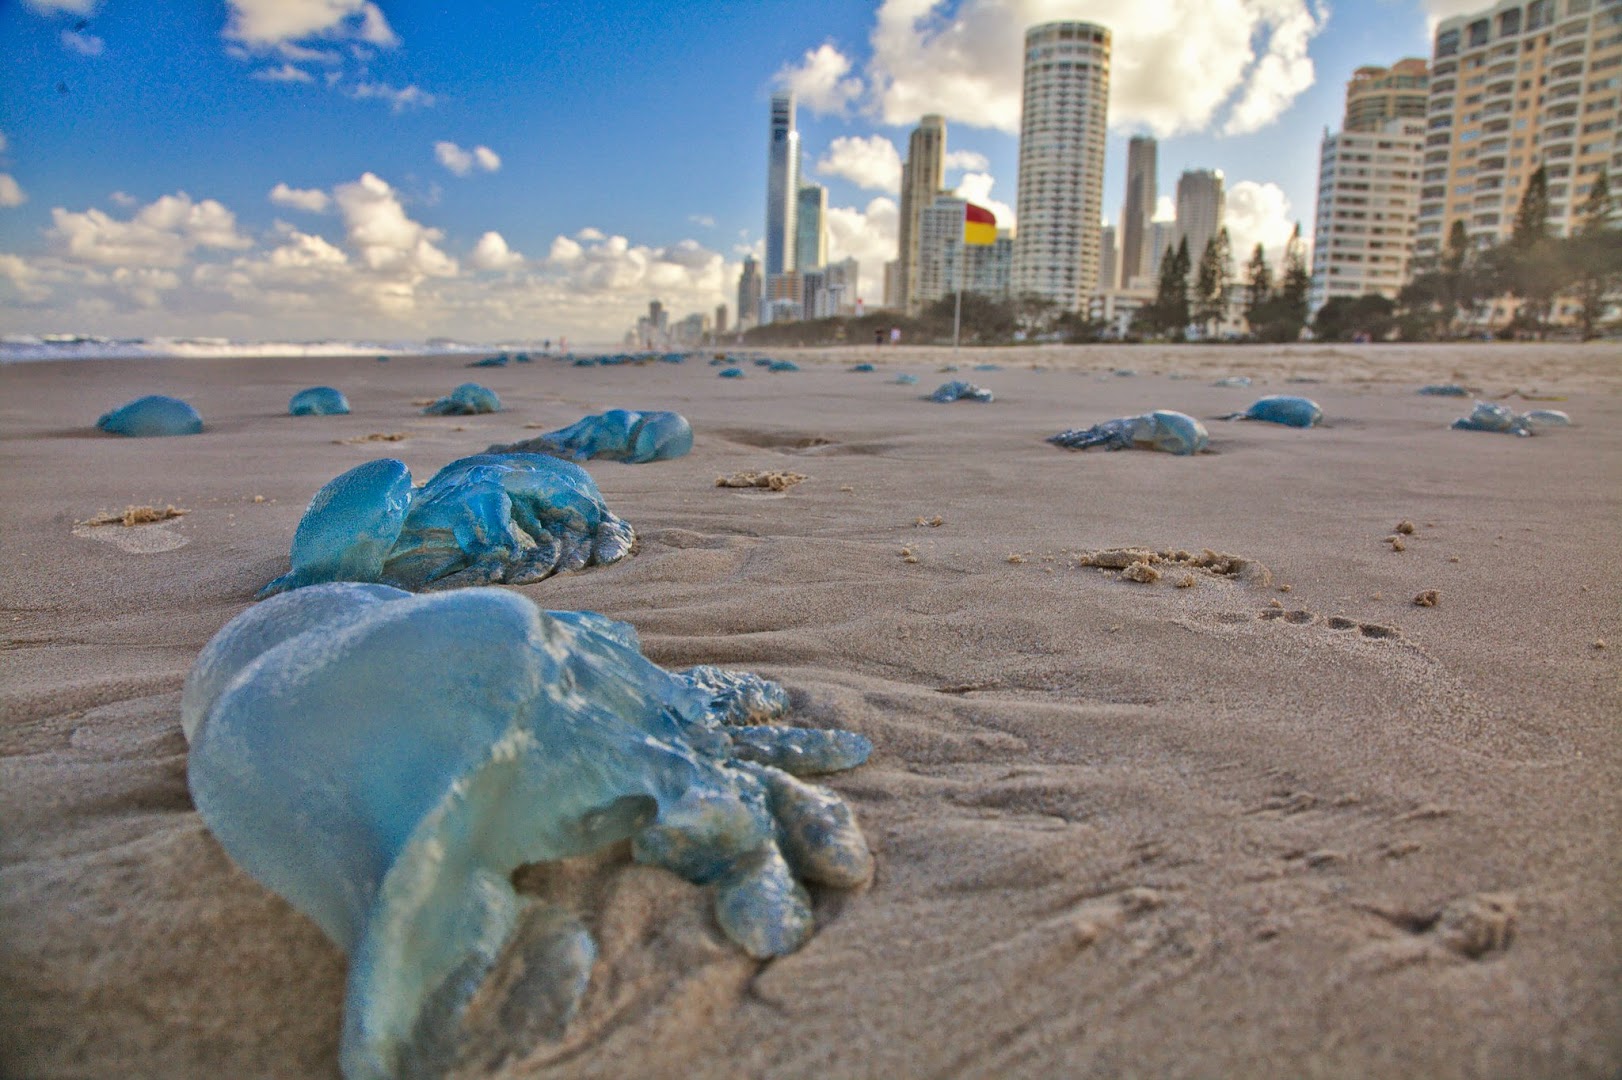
(24, 348)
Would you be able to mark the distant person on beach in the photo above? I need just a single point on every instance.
(895, 335)
(878, 336)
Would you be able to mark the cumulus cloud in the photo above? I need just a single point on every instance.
(967, 159)
(868, 235)
(123, 198)
(265, 23)
(82, 43)
(976, 187)
(1165, 209)
(492, 253)
(965, 62)
(11, 192)
(821, 81)
(288, 73)
(870, 162)
(399, 98)
(385, 237)
(312, 200)
(702, 220)
(462, 162)
(161, 234)
(1257, 214)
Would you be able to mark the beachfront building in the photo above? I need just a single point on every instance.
(1368, 207)
(1135, 238)
(923, 175)
(811, 228)
(1514, 86)
(1061, 161)
(945, 263)
(1109, 260)
(750, 289)
(1376, 95)
(892, 285)
(782, 186)
(1201, 206)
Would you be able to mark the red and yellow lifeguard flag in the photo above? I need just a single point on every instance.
(979, 225)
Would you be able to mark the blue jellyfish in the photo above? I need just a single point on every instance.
(958, 390)
(905, 379)
(731, 373)
(152, 416)
(318, 401)
(782, 365)
(498, 360)
(1445, 390)
(1487, 416)
(616, 435)
(1173, 432)
(466, 400)
(385, 762)
(864, 366)
(490, 518)
(1283, 409)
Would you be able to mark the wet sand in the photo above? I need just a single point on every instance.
(1275, 822)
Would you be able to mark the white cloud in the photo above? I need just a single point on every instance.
(312, 200)
(399, 98)
(1257, 213)
(967, 159)
(462, 162)
(123, 198)
(287, 73)
(589, 234)
(976, 187)
(870, 162)
(492, 253)
(161, 234)
(265, 23)
(53, 7)
(3, 142)
(1165, 209)
(702, 220)
(965, 62)
(384, 236)
(869, 236)
(11, 192)
(82, 43)
(821, 82)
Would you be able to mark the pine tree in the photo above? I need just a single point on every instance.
(1594, 256)
(1292, 292)
(1528, 265)
(1258, 288)
(1211, 282)
(1171, 296)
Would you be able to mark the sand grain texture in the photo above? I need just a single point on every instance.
(1122, 829)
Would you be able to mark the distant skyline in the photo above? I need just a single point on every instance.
(279, 169)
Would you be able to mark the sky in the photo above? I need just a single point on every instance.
(311, 169)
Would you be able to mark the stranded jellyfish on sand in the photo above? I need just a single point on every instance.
(616, 435)
(152, 416)
(1173, 432)
(318, 401)
(386, 761)
(466, 400)
(486, 519)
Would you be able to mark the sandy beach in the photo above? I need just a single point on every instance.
(1278, 823)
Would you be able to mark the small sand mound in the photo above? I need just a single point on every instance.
(131, 516)
(776, 481)
(1141, 564)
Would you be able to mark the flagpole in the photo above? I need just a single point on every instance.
(957, 313)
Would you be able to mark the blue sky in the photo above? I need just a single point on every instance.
(487, 170)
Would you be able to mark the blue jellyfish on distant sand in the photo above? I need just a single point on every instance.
(958, 390)
(385, 762)
(466, 400)
(498, 360)
(318, 401)
(1283, 409)
(905, 379)
(1445, 390)
(1173, 432)
(616, 435)
(1487, 416)
(486, 519)
(152, 416)
(782, 365)
(864, 366)
(731, 373)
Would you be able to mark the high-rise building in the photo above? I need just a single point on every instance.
(720, 319)
(1162, 239)
(892, 285)
(782, 186)
(1368, 206)
(1138, 211)
(811, 228)
(1375, 95)
(1109, 262)
(749, 291)
(1061, 161)
(923, 175)
(1512, 87)
(1200, 208)
(946, 263)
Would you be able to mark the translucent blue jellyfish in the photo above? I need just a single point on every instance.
(152, 416)
(1283, 409)
(673, 358)
(1487, 416)
(382, 359)
(863, 367)
(1445, 390)
(318, 401)
(1233, 382)
(486, 519)
(466, 400)
(958, 390)
(988, 367)
(782, 365)
(732, 373)
(763, 361)
(385, 762)
(498, 360)
(904, 379)
(1173, 432)
(585, 361)
(616, 435)
(522, 358)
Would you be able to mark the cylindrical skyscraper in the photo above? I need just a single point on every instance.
(1061, 161)
(782, 186)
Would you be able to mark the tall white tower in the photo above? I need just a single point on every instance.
(782, 186)
(1061, 161)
